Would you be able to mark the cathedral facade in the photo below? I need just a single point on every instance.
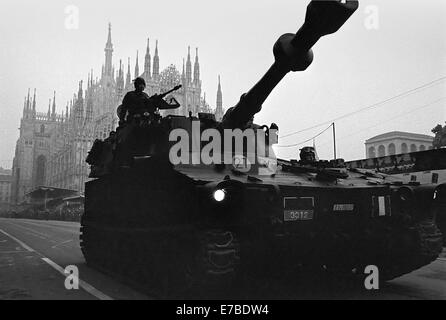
(52, 148)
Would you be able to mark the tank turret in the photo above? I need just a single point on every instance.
(292, 52)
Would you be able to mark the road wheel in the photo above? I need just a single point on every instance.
(207, 267)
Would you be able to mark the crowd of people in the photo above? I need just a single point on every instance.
(71, 212)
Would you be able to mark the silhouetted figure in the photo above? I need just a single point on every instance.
(135, 102)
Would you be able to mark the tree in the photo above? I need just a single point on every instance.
(440, 136)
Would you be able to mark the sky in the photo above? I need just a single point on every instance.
(387, 48)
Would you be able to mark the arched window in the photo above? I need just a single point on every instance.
(42, 128)
(40, 171)
(381, 151)
(422, 147)
(404, 148)
(413, 148)
(391, 149)
(372, 153)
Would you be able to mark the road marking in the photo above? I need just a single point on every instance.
(84, 285)
(87, 287)
(62, 243)
(8, 252)
(31, 230)
(36, 235)
(18, 241)
(51, 225)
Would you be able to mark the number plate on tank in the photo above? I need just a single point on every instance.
(298, 208)
(298, 215)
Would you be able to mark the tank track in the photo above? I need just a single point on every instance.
(425, 247)
(205, 267)
(395, 252)
(209, 265)
(440, 220)
(218, 261)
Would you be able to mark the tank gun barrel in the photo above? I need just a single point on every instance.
(163, 95)
(292, 52)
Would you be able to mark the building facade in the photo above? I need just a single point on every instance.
(5, 192)
(52, 147)
(397, 142)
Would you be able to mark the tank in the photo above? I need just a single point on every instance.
(162, 216)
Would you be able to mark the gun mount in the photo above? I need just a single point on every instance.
(292, 52)
(154, 103)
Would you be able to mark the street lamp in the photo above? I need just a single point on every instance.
(46, 195)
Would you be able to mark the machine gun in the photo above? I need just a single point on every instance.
(161, 104)
(292, 52)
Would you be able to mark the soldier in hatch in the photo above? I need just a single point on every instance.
(135, 103)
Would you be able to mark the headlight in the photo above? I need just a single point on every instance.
(219, 195)
(226, 195)
(440, 193)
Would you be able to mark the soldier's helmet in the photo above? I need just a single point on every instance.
(308, 155)
(139, 81)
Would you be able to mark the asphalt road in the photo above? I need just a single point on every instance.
(25, 275)
(34, 255)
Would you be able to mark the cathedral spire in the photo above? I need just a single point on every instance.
(128, 80)
(120, 79)
(49, 110)
(188, 67)
(24, 107)
(219, 108)
(79, 104)
(108, 68)
(147, 63)
(28, 103)
(34, 103)
(109, 41)
(183, 75)
(156, 63)
(219, 93)
(70, 115)
(196, 69)
(80, 93)
(89, 110)
(137, 65)
(53, 114)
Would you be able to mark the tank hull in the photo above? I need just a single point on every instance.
(151, 226)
